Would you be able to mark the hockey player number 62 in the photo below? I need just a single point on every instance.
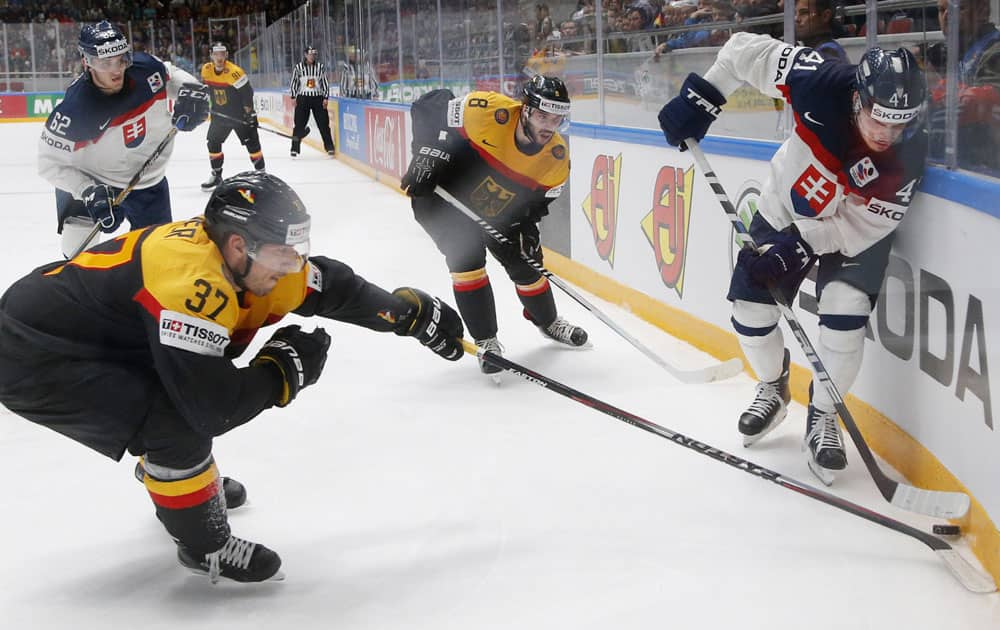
(59, 123)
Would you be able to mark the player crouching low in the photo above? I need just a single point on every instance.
(130, 346)
(838, 188)
(507, 162)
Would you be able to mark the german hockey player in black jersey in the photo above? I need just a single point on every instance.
(506, 161)
(232, 98)
(130, 346)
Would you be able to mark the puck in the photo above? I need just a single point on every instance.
(947, 530)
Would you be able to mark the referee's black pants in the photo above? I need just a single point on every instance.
(303, 106)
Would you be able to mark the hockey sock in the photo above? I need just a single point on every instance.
(474, 297)
(760, 338)
(190, 504)
(257, 158)
(841, 352)
(216, 160)
(539, 304)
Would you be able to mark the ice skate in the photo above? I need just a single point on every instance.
(214, 180)
(239, 560)
(768, 409)
(562, 331)
(235, 492)
(825, 444)
(490, 344)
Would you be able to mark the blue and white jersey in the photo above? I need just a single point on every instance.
(94, 137)
(842, 196)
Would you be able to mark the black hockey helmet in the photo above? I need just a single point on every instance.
(548, 94)
(891, 85)
(262, 209)
(310, 50)
(103, 40)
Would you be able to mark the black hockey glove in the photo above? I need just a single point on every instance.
(426, 168)
(432, 322)
(691, 113)
(99, 200)
(785, 253)
(250, 119)
(296, 357)
(191, 107)
(531, 240)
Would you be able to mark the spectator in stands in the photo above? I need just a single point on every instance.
(978, 87)
(708, 11)
(543, 25)
(815, 27)
(638, 18)
(572, 42)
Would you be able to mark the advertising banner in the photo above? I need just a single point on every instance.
(386, 140)
(13, 106)
(352, 130)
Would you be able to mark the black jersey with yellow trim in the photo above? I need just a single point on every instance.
(158, 300)
(489, 172)
(231, 89)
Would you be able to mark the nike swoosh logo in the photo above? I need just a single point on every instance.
(813, 120)
(489, 145)
(850, 264)
(106, 123)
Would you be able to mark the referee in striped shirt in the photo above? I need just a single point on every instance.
(310, 91)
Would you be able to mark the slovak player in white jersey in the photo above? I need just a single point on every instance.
(838, 188)
(110, 122)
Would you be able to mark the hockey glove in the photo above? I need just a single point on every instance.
(191, 107)
(426, 168)
(531, 240)
(296, 357)
(432, 322)
(250, 119)
(99, 200)
(786, 253)
(690, 113)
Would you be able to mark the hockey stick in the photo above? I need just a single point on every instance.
(969, 576)
(243, 122)
(933, 502)
(719, 371)
(131, 184)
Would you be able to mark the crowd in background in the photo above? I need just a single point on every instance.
(174, 30)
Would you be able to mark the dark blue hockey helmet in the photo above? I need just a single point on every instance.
(102, 41)
(891, 85)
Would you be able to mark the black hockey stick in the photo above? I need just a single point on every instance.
(933, 502)
(131, 184)
(969, 576)
(243, 122)
(719, 371)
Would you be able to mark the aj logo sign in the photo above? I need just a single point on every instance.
(667, 224)
(601, 205)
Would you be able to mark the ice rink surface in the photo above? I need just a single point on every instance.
(406, 492)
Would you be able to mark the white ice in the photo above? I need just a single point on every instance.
(403, 491)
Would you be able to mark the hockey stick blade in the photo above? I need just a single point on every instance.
(932, 502)
(967, 575)
(715, 372)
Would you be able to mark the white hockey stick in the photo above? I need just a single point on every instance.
(933, 502)
(131, 184)
(717, 372)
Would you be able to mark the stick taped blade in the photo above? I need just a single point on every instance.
(970, 577)
(937, 503)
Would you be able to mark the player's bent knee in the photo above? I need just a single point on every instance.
(752, 319)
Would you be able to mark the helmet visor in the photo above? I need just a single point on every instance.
(282, 258)
(116, 63)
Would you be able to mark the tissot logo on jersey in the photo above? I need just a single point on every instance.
(134, 132)
(179, 330)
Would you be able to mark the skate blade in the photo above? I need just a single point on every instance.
(825, 475)
(279, 576)
(496, 378)
(750, 440)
